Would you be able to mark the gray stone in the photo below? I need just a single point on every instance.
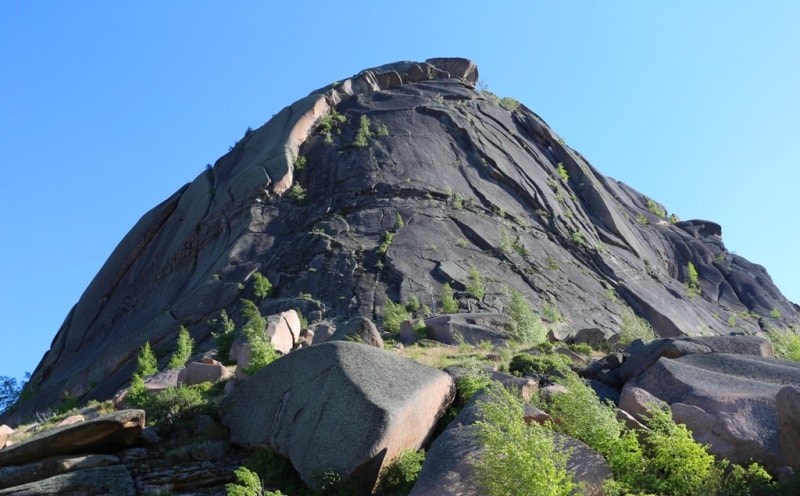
(339, 406)
(787, 406)
(114, 479)
(198, 373)
(104, 434)
(471, 328)
(361, 330)
(16, 475)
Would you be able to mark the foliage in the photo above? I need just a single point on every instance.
(224, 335)
(399, 476)
(276, 471)
(297, 193)
(786, 344)
(529, 364)
(261, 285)
(328, 122)
(167, 405)
(471, 382)
(248, 484)
(506, 244)
(775, 313)
(509, 103)
(382, 130)
(692, 281)
(562, 172)
(634, 327)
(363, 133)
(300, 163)
(577, 238)
(551, 313)
(449, 302)
(147, 364)
(527, 326)
(641, 219)
(655, 208)
(675, 463)
(475, 286)
(393, 315)
(262, 352)
(528, 455)
(10, 391)
(399, 222)
(184, 351)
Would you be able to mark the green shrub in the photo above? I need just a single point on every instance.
(517, 455)
(528, 364)
(634, 327)
(654, 208)
(581, 349)
(147, 364)
(393, 315)
(475, 286)
(527, 326)
(676, 464)
(562, 172)
(261, 285)
(363, 133)
(10, 391)
(642, 219)
(775, 313)
(449, 302)
(184, 351)
(166, 406)
(382, 130)
(262, 353)
(297, 193)
(509, 103)
(692, 281)
(399, 476)
(248, 484)
(300, 163)
(786, 344)
(276, 471)
(551, 313)
(224, 335)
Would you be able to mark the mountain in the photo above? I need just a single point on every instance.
(385, 186)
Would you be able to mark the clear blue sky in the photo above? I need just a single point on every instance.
(107, 108)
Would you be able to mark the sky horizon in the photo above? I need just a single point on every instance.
(110, 109)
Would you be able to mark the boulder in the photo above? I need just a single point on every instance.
(104, 434)
(642, 356)
(114, 479)
(339, 406)
(471, 328)
(787, 405)
(16, 475)
(198, 373)
(283, 330)
(448, 470)
(5, 432)
(637, 402)
(361, 330)
(592, 336)
(728, 401)
(323, 333)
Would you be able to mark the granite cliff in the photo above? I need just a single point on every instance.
(386, 186)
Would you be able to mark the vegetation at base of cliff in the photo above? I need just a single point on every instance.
(786, 344)
(399, 477)
(10, 391)
(518, 455)
(527, 326)
(262, 353)
(393, 315)
(261, 285)
(147, 364)
(224, 335)
(449, 302)
(634, 327)
(475, 286)
(184, 351)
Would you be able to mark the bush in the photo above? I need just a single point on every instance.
(633, 328)
(449, 302)
(527, 364)
(224, 335)
(393, 315)
(147, 364)
(10, 390)
(692, 281)
(399, 476)
(785, 343)
(361, 139)
(261, 285)
(517, 455)
(166, 406)
(296, 194)
(184, 351)
(475, 286)
(262, 353)
(527, 326)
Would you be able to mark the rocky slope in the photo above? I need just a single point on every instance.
(388, 185)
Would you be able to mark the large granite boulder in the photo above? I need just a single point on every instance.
(113, 479)
(788, 412)
(728, 401)
(17, 475)
(104, 434)
(472, 328)
(361, 330)
(339, 406)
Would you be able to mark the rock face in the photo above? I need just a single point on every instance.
(341, 406)
(476, 181)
